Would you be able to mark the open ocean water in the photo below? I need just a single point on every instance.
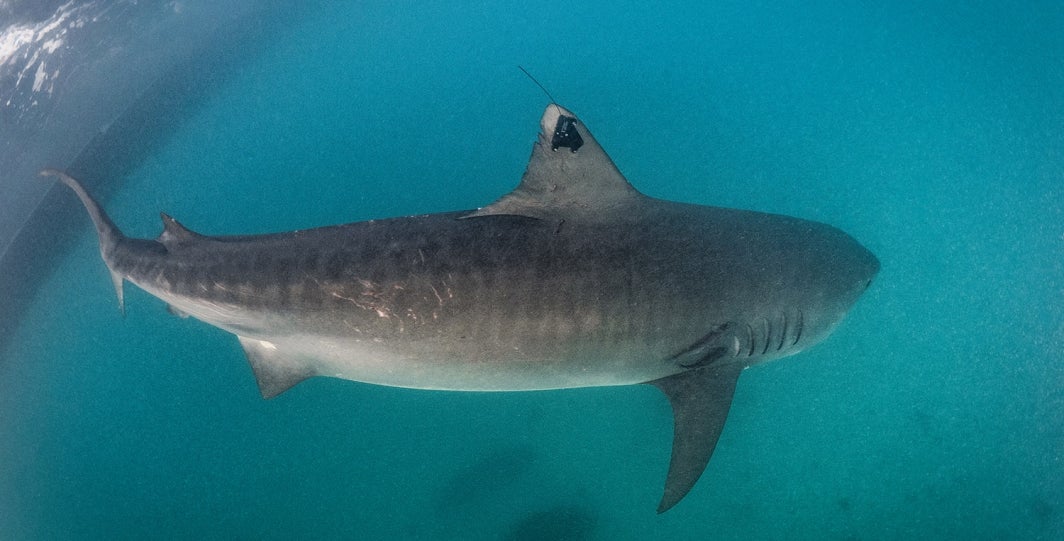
(933, 132)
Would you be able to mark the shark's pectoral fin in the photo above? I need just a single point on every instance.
(275, 370)
(700, 401)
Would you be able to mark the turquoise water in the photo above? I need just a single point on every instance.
(930, 132)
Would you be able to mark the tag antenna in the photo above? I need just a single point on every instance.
(541, 87)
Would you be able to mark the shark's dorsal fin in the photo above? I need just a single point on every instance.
(569, 176)
(174, 234)
(700, 401)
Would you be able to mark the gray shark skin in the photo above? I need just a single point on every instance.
(574, 279)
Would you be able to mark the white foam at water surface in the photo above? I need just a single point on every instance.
(25, 48)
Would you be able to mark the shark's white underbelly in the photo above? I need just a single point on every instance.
(475, 368)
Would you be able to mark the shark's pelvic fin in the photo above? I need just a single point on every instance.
(176, 311)
(569, 176)
(275, 370)
(109, 234)
(700, 401)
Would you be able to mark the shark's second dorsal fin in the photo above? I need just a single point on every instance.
(569, 176)
(174, 234)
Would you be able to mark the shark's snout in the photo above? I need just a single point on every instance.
(870, 266)
(863, 267)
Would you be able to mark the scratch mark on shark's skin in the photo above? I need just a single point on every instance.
(435, 292)
(348, 299)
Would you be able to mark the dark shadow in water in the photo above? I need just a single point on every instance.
(141, 130)
(559, 523)
(487, 479)
(844, 504)
(1042, 510)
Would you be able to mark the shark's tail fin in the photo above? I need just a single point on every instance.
(109, 234)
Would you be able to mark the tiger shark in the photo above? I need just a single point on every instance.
(573, 279)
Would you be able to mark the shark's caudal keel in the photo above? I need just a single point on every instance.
(574, 279)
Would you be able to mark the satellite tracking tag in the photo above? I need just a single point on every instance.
(565, 134)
